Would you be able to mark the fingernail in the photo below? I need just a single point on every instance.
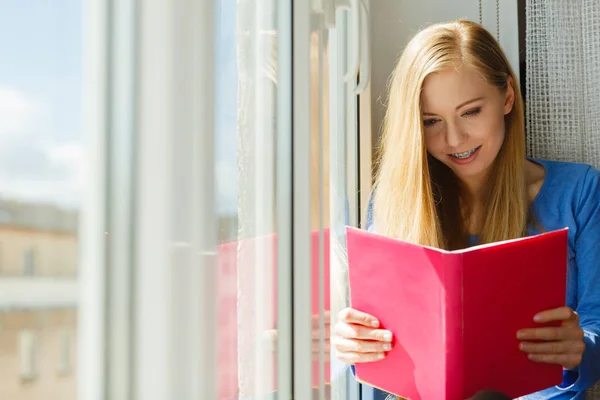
(380, 356)
(375, 323)
(387, 337)
(537, 318)
(521, 335)
(530, 356)
(387, 347)
(521, 346)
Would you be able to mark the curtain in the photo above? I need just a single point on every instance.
(563, 80)
(563, 84)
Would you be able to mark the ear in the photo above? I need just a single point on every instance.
(509, 97)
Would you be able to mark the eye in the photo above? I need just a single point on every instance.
(430, 122)
(473, 112)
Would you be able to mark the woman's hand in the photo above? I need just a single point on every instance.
(555, 345)
(357, 339)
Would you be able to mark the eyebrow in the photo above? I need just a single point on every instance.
(460, 105)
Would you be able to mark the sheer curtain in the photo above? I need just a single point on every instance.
(256, 129)
(563, 84)
(563, 80)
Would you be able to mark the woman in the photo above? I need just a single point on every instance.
(453, 172)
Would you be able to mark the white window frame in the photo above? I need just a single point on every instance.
(301, 185)
(106, 257)
(175, 284)
(92, 279)
(351, 146)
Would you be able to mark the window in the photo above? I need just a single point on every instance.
(184, 211)
(27, 355)
(255, 187)
(29, 260)
(64, 346)
(245, 176)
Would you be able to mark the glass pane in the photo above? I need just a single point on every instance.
(246, 197)
(227, 193)
(40, 186)
(245, 175)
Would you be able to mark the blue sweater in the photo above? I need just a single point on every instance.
(569, 197)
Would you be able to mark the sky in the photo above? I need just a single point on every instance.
(40, 101)
(41, 94)
(226, 108)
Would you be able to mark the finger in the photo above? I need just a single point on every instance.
(557, 314)
(550, 333)
(353, 358)
(350, 331)
(568, 361)
(563, 347)
(360, 346)
(352, 316)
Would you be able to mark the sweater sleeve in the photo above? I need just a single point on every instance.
(587, 256)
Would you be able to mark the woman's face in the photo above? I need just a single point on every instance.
(463, 118)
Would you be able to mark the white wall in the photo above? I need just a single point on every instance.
(394, 22)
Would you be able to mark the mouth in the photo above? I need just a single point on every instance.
(466, 154)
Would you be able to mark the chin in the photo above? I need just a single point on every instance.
(461, 173)
(476, 169)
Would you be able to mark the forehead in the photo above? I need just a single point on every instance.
(450, 87)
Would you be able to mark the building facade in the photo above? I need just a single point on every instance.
(38, 301)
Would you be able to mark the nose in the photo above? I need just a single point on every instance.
(454, 136)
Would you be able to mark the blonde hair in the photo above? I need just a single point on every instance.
(416, 197)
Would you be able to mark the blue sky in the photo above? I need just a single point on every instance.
(40, 100)
(226, 108)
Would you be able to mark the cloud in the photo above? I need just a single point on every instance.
(17, 111)
(227, 186)
(36, 163)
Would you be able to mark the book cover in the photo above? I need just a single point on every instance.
(454, 314)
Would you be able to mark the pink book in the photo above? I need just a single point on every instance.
(454, 315)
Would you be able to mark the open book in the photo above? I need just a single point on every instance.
(454, 314)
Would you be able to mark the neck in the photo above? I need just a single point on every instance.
(473, 193)
(474, 189)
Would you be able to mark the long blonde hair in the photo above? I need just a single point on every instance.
(416, 197)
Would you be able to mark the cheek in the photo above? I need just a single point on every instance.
(497, 131)
(434, 144)
(487, 129)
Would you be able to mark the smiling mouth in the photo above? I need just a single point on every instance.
(466, 154)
